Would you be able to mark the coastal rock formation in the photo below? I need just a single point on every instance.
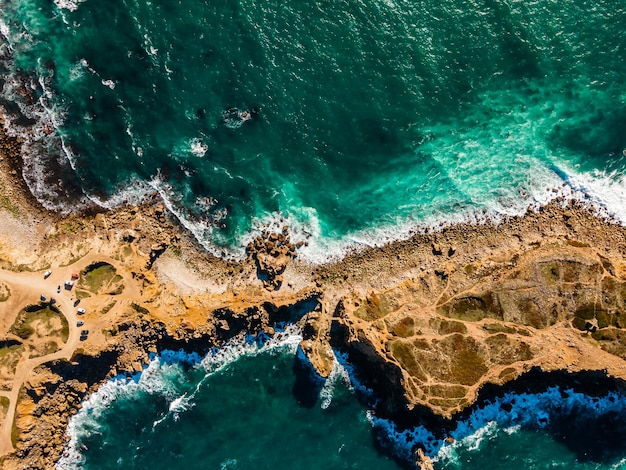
(429, 323)
(434, 341)
(272, 251)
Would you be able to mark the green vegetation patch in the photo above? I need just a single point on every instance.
(570, 271)
(474, 308)
(7, 201)
(494, 328)
(376, 306)
(507, 374)
(403, 352)
(403, 328)
(585, 313)
(466, 359)
(498, 328)
(532, 315)
(612, 341)
(40, 320)
(139, 309)
(4, 405)
(82, 294)
(551, 272)
(107, 308)
(5, 292)
(10, 354)
(505, 350)
(101, 277)
(446, 327)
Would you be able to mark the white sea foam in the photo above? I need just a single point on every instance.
(228, 464)
(4, 30)
(339, 375)
(532, 410)
(131, 192)
(164, 377)
(109, 83)
(198, 148)
(604, 191)
(77, 72)
(403, 442)
(520, 410)
(71, 5)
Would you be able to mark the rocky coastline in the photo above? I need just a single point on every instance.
(435, 324)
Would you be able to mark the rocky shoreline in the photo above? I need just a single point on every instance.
(435, 324)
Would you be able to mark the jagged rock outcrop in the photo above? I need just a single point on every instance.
(272, 251)
(433, 341)
(56, 390)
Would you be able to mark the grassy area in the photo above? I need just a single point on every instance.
(99, 277)
(4, 405)
(10, 356)
(139, 309)
(50, 318)
(107, 308)
(71, 227)
(5, 292)
(82, 294)
(7, 202)
(49, 347)
(15, 431)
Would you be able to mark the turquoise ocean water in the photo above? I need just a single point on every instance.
(356, 121)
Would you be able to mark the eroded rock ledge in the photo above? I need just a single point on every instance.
(434, 341)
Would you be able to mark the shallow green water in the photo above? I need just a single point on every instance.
(373, 116)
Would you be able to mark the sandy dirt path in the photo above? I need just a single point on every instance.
(26, 289)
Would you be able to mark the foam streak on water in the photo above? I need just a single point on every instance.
(512, 414)
(164, 377)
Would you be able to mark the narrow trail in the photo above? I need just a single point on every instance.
(26, 289)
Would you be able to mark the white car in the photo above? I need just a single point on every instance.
(80, 311)
(47, 274)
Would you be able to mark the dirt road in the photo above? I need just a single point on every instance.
(26, 289)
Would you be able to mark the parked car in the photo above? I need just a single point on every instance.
(80, 323)
(59, 289)
(47, 274)
(84, 332)
(42, 298)
(80, 311)
(76, 302)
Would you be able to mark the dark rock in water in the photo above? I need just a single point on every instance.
(307, 384)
